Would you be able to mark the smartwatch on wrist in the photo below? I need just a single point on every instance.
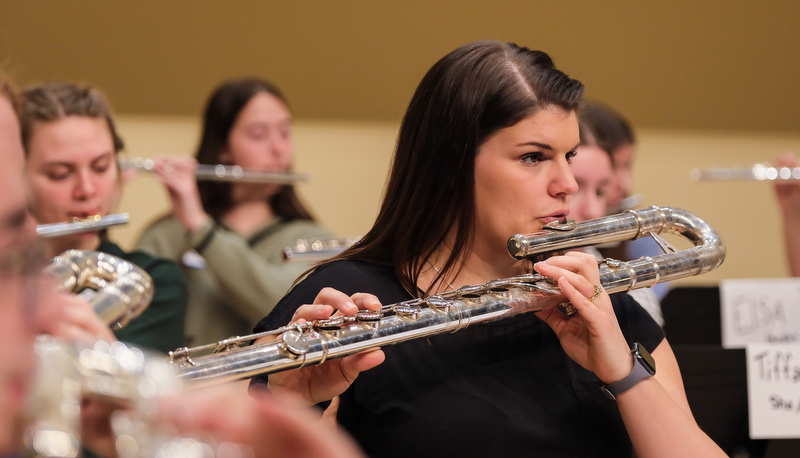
(644, 366)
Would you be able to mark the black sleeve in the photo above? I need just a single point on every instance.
(637, 325)
(346, 276)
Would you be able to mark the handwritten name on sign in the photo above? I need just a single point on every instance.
(759, 310)
(773, 390)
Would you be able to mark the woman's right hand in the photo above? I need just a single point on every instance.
(178, 173)
(321, 383)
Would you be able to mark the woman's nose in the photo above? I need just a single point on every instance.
(563, 181)
(84, 186)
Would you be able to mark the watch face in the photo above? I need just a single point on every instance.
(644, 358)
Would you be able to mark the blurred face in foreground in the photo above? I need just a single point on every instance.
(21, 319)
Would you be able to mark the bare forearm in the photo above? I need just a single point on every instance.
(659, 427)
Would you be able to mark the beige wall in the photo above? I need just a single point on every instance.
(704, 83)
(348, 162)
(711, 64)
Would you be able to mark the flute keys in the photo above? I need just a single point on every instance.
(330, 324)
(369, 315)
(438, 302)
(408, 311)
(293, 342)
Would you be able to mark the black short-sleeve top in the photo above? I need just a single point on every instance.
(503, 387)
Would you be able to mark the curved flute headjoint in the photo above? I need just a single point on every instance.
(451, 311)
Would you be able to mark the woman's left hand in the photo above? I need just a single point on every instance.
(591, 337)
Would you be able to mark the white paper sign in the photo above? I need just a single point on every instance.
(759, 310)
(773, 390)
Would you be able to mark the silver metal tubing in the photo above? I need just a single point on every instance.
(314, 342)
(758, 172)
(79, 226)
(220, 172)
(311, 250)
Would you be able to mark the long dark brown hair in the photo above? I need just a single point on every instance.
(222, 109)
(464, 98)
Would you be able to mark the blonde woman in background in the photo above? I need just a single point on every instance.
(71, 147)
(29, 308)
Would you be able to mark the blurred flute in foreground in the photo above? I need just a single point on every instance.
(220, 172)
(79, 226)
(758, 172)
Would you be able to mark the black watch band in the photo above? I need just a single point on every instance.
(644, 366)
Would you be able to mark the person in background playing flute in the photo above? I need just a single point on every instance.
(71, 147)
(30, 307)
(229, 237)
(593, 171)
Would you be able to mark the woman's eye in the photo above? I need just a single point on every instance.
(57, 176)
(257, 134)
(533, 158)
(571, 155)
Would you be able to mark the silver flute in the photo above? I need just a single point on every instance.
(220, 172)
(313, 343)
(317, 249)
(758, 172)
(82, 225)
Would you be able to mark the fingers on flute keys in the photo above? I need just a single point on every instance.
(330, 302)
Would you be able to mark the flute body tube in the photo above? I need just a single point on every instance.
(314, 343)
(81, 226)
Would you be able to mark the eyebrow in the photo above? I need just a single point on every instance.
(547, 147)
(108, 154)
